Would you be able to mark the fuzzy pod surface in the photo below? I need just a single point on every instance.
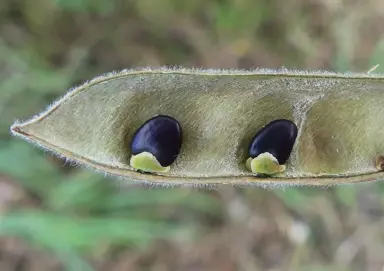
(339, 116)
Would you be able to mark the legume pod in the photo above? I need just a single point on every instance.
(339, 117)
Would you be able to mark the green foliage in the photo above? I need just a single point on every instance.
(46, 46)
(378, 57)
(89, 6)
(70, 232)
(82, 211)
(27, 165)
(346, 195)
(297, 198)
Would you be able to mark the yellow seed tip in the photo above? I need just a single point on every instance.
(265, 163)
(147, 162)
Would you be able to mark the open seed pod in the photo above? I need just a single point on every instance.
(339, 119)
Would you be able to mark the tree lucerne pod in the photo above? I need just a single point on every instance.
(339, 120)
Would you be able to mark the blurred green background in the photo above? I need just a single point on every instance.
(56, 216)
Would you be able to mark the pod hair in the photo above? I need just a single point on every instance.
(339, 116)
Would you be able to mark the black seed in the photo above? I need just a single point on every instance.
(160, 136)
(277, 138)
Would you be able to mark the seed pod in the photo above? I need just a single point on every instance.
(340, 119)
(271, 147)
(156, 144)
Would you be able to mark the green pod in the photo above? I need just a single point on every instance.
(340, 120)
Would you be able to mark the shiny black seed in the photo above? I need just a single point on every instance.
(277, 138)
(160, 136)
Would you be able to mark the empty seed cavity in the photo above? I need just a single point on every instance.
(271, 147)
(156, 144)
